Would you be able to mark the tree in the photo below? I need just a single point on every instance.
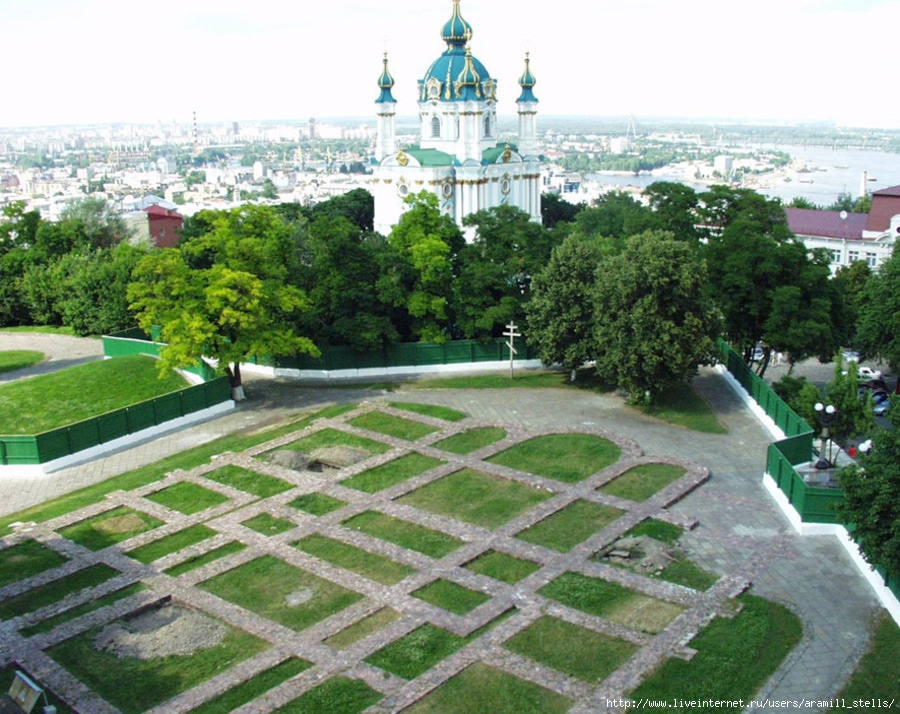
(357, 206)
(268, 190)
(223, 295)
(854, 416)
(420, 280)
(344, 264)
(675, 209)
(496, 270)
(615, 215)
(878, 327)
(100, 225)
(801, 322)
(802, 202)
(871, 504)
(555, 210)
(654, 327)
(560, 315)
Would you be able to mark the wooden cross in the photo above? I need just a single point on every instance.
(512, 335)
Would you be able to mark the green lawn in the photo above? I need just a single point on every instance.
(171, 544)
(88, 607)
(416, 652)
(479, 689)
(55, 591)
(390, 425)
(407, 535)
(317, 504)
(642, 482)
(567, 528)
(734, 658)
(198, 561)
(252, 688)
(501, 566)
(339, 695)
(392, 473)
(149, 682)
(333, 437)
(472, 440)
(26, 559)
(451, 597)
(363, 628)
(269, 525)
(369, 565)
(41, 329)
(12, 360)
(877, 676)
(564, 457)
(248, 481)
(430, 410)
(187, 498)
(682, 406)
(277, 590)
(39, 404)
(611, 602)
(106, 529)
(571, 649)
(475, 497)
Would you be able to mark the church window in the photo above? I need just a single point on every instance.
(435, 128)
(487, 126)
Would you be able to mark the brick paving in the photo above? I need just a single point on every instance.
(739, 535)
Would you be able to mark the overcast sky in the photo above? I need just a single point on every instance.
(80, 61)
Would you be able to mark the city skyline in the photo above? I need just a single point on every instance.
(95, 61)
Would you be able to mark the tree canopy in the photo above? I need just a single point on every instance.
(223, 295)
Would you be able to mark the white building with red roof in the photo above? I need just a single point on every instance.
(850, 237)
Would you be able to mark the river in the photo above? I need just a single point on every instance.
(832, 171)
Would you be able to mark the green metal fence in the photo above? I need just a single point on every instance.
(815, 505)
(407, 354)
(136, 342)
(59, 443)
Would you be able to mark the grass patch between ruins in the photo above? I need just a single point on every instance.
(55, 591)
(392, 473)
(390, 425)
(110, 528)
(25, 559)
(187, 498)
(256, 484)
(407, 535)
(472, 440)
(642, 482)
(430, 410)
(251, 689)
(569, 458)
(475, 497)
(369, 565)
(570, 526)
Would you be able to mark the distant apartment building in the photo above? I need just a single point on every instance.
(850, 237)
(158, 224)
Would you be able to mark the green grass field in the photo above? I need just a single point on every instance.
(39, 404)
(12, 360)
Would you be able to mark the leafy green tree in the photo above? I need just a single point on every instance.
(675, 209)
(344, 265)
(496, 269)
(420, 281)
(654, 327)
(99, 225)
(878, 326)
(802, 318)
(802, 202)
(357, 206)
(801, 395)
(560, 314)
(268, 190)
(871, 504)
(555, 210)
(854, 416)
(223, 295)
(615, 215)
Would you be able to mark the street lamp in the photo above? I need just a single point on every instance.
(825, 413)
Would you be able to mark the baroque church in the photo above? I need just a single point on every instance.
(459, 157)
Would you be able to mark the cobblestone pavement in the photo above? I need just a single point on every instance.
(740, 535)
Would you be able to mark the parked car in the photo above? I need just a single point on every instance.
(868, 373)
(880, 396)
(881, 409)
(851, 356)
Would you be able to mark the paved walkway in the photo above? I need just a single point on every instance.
(741, 534)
